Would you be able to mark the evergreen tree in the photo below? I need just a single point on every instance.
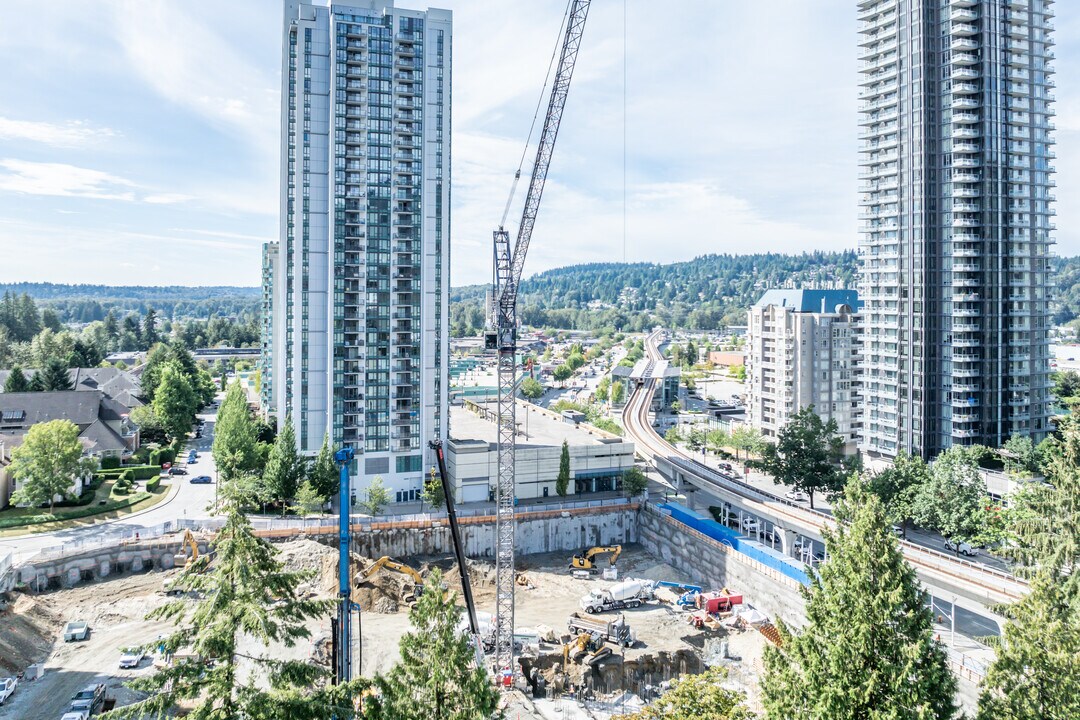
(808, 455)
(437, 677)
(150, 331)
(174, 401)
(1036, 674)
(324, 475)
(37, 382)
(244, 596)
(562, 482)
(16, 381)
(234, 448)
(50, 320)
(55, 376)
(112, 327)
(868, 650)
(696, 697)
(284, 469)
(308, 501)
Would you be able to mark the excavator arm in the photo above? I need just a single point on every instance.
(386, 562)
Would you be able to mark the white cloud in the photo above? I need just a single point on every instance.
(61, 179)
(167, 198)
(186, 61)
(73, 133)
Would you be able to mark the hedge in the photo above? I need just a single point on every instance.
(110, 463)
(155, 458)
(45, 517)
(153, 483)
(167, 455)
(139, 472)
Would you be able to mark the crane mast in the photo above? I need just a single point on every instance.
(508, 263)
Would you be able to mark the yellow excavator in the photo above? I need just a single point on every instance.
(584, 560)
(386, 562)
(586, 647)
(189, 543)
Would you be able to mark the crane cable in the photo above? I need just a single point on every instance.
(536, 113)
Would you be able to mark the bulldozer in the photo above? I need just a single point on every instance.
(585, 560)
(386, 562)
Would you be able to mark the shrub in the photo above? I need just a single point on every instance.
(153, 483)
(167, 455)
(110, 463)
(142, 454)
(124, 484)
(154, 458)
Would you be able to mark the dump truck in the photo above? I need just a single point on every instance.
(614, 631)
(626, 594)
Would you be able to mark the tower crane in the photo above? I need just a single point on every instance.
(502, 334)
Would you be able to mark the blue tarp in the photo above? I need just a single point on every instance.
(740, 543)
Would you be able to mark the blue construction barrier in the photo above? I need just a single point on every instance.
(740, 543)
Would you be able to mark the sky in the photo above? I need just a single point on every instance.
(139, 140)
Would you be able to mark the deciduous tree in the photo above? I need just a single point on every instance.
(867, 651)
(46, 463)
(531, 389)
(234, 446)
(174, 401)
(898, 487)
(952, 500)
(634, 482)
(618, 393)
(808, 455)
(376, 496)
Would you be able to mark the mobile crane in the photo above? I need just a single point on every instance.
(502, 331)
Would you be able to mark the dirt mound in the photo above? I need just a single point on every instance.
(308, 556)
(28, 625)
(481, 575)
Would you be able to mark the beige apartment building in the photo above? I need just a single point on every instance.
(802, 350)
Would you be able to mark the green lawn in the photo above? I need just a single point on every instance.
(18, 521)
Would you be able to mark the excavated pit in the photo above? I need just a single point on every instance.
(613, 673)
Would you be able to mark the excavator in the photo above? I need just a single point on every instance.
(386, 562)
(584, 560)
(181, 559)
(585, 647)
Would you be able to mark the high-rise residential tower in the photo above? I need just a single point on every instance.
(361, 280)
(955, 163)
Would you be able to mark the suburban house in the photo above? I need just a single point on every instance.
(104, 427)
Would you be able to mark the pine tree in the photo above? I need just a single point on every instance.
(284, 469)
(234, 436)
(323, 473)
(37, 382)
(868, 651)
(437, 677)
(244, 596)
(1036, 674)
(55, 376)
(562, 482)
(16, 381)
(150, 332)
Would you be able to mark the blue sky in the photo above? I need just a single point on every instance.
(138, 140)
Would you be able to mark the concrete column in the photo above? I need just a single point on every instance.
(103, 569)
(72, 577)
(787, 540)
(137, 564)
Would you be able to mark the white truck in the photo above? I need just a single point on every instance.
(628, 593)
(614, 631)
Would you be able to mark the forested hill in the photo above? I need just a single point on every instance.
(86, 303)
(705, 293)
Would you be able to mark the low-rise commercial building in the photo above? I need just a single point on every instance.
(598, 460)
(802, 350)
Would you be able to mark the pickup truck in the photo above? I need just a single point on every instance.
(7, 686)
(76, 630)
(614, 631)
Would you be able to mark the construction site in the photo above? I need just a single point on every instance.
(656, 626)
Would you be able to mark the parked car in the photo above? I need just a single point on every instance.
(76, 630)
(797, 496)
(177, 471)
(83, 714)
(192, 456)
(961, 547)
(750, 524)
(7, 686)
(201, 480)
(90, 698)
(131, 658)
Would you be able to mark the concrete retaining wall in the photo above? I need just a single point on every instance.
(713, 564)
(101, 563)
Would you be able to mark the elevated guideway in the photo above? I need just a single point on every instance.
(975, 586)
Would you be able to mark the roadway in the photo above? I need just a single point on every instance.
(976, 586)
(186, 500)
